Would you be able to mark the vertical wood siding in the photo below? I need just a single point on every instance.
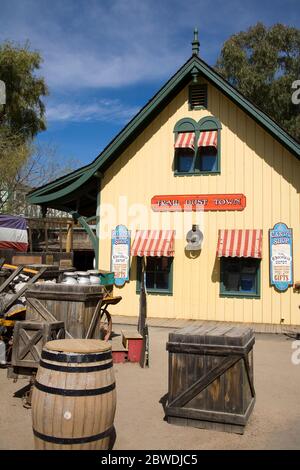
(253, 163)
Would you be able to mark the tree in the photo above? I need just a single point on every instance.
(24, 111)
(31, 166)
(263, 63)
(21, 118)
(13, 154)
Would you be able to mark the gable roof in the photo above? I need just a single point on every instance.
(54, 194)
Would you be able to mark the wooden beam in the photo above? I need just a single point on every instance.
(69, 239)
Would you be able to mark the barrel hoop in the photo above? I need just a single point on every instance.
(77, 358)
(73, 440)
(74, 392)
(46, 365)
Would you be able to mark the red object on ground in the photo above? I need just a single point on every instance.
(135, 347)
(119, 356)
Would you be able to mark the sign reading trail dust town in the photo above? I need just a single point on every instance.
(120, 254)
(281, 256)
(199, 202)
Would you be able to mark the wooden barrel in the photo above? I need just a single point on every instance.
(74, 396)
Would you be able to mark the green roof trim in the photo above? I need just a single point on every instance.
(67, 184)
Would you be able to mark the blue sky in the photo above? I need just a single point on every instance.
(104, 59)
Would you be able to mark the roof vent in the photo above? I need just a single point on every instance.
(198, 96)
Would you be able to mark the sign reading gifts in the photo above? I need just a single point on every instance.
(120, 254)
(199, 202)
(281, 256)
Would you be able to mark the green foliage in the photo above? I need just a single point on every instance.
(24, 111)
(14, 152)
(21, 118)
(263, 63)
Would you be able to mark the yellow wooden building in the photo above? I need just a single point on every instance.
(198, 143)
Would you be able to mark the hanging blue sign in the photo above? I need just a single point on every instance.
(281, 256)
(120, 254)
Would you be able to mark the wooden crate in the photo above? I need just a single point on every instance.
(211, 377)
(72, 304)
(29, 338)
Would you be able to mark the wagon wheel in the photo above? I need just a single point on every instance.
(105, 324)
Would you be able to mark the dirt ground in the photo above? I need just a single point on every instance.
(274, 423)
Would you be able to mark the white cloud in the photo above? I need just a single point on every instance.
(102, 110)
(114, 43)
(96, 44)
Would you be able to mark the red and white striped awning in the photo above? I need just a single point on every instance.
(153, 243)
(240, 243)
(185, 140)
(208, 139)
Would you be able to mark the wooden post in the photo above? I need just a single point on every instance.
(69, 239)
(142, 323)
(60, 238)
(143, 300)
(46, 234)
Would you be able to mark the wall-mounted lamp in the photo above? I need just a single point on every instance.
(194, 238)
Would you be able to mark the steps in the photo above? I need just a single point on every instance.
(119, 352)
(128, 347)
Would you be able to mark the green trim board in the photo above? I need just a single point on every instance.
(98, 222)
(50, 192)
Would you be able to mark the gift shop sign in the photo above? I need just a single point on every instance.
(199, 202)
(120, 254)
(281, 256)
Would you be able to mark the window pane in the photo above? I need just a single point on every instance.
(231, 274)
(208, 159)
(151, 263)
(239, 274)
(248, 283)
(249, 268)
(157, 273)
(164, 264)
(185, 159)
(162, 281)
(150, 280)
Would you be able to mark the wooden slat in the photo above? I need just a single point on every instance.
(194, 348)
(202, 383)
(29, 344)
(94, 320)
(44, 312)
(206, 415)
(31, 281)
(11, 278)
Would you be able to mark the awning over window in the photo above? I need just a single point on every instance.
(153, 243)
(240, 243)
(208, 139)
(185, 140)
